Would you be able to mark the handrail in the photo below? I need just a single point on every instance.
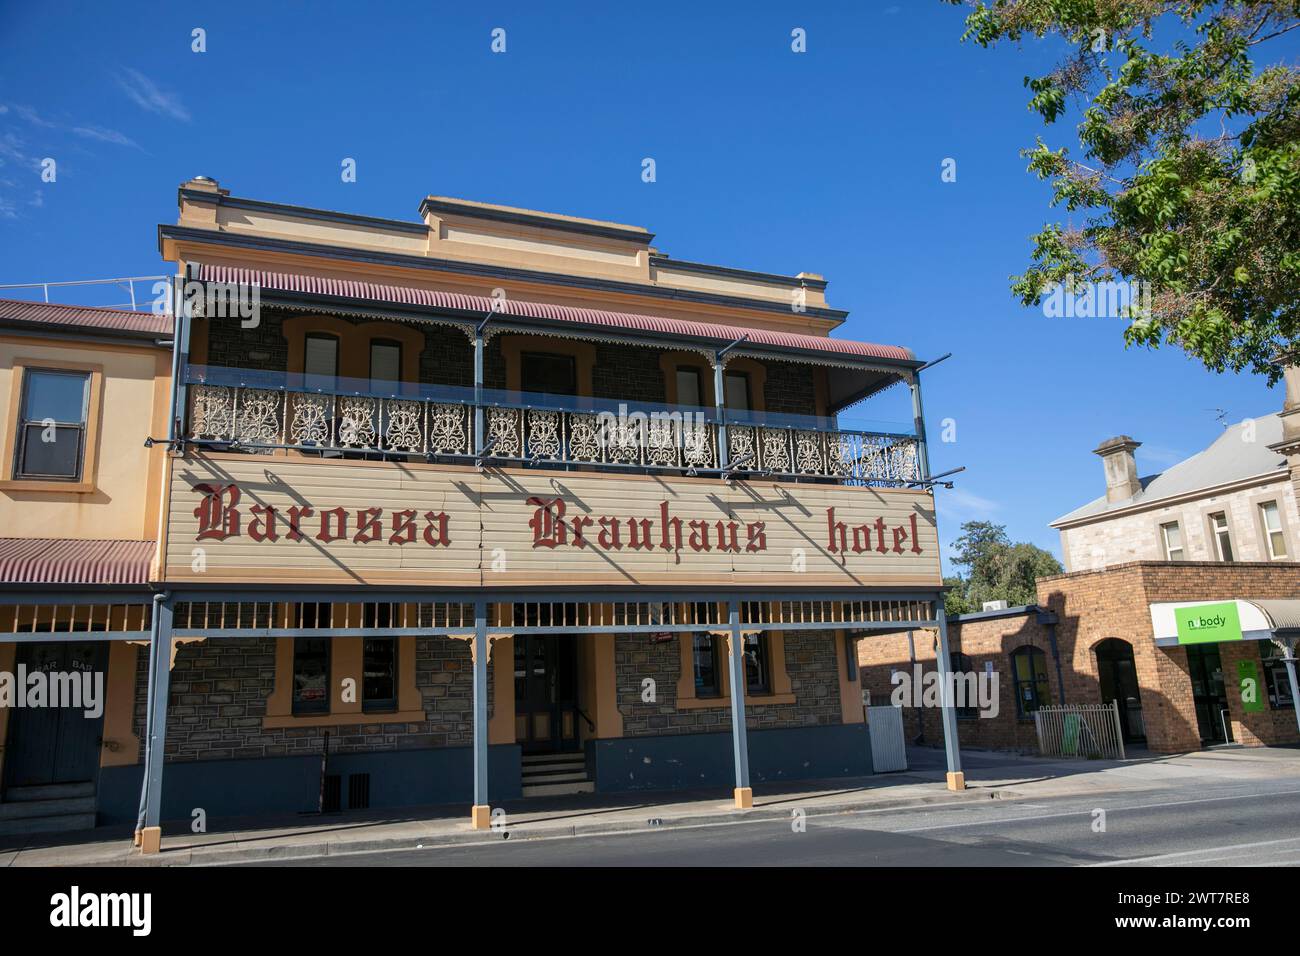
(581, 713)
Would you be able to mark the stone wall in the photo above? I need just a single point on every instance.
(219, 690)
(810, 664)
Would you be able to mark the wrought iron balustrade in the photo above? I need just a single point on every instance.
(260, 412)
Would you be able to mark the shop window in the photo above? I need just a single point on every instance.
(1171, 537)
(1029, 672)
(311, 675)
(379, 674)
(758, 665)
(51, 433)
(708, 665)
(1221, 536)
(1271, 518)
(960, 665)
(1276, 680)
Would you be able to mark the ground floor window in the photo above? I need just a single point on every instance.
(708, 666)
(1029, 671)
(311, 675)
(379, 677)
(758, 665)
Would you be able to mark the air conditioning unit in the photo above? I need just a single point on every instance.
(996, 605)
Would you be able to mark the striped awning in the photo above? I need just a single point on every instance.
(74, 561)
(703, 332)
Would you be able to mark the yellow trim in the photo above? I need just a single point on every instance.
(90, 447)
(501, 725)
(354, 344)
(670, 362)
(781, 692)
(850, 690)
(583, 354)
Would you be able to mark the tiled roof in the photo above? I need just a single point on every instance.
(74, 561)
(661, 325)
(84, 316)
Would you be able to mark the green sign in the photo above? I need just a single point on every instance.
(1208, 623)
(1252, 701)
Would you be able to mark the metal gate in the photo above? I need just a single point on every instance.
(888, 746)
(1080, 730)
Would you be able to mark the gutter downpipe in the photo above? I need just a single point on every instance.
(1049, 620)
(149, 702)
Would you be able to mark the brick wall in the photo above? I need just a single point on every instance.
(810, 664)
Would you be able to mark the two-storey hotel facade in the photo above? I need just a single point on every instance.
(489, 505)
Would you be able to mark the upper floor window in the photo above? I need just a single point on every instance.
(320, 363)
(736, 388)
(1222, 538)
(690, 389)
(1171, 536)
(1029, 671)
(385, 364)
(52, 425)
(1271, 518)
(548, 373)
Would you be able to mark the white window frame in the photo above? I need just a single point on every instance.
(1280, 530)
(1164, 540)
(1217, 536)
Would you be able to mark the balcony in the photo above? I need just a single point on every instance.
(268, 412)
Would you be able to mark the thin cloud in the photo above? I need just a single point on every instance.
(99, 133)
(146, 94)
(958, 503)
(31, 116)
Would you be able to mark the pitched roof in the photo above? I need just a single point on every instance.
(1233, 456)
(84, 317)
(74, 561)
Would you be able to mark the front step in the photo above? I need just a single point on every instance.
(48, 808)
(49, 791)
(28, 809)
(54, 824)
(553, 775)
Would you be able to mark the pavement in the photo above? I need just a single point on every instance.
(845, 816)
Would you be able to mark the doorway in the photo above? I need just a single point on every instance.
(546, 693)
(52, 745)
(1205, 669)
(1119, 683)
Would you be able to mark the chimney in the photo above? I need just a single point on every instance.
(1121, 468)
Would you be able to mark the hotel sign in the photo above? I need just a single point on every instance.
(261, 519)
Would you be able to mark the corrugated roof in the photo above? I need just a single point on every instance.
(1283, 614)
(1230, 458)
(74, 561)
(659, 325)
(85, 316)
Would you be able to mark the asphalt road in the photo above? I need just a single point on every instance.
(1250, 824)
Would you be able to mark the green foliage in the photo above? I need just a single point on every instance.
(1189, 176)
(996, 569)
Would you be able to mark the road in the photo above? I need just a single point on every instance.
(1252, 823)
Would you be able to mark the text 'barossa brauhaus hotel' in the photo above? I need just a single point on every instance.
(488, 505)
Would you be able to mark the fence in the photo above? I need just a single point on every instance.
(1080, 730)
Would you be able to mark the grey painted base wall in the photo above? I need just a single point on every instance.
(685, 761)
(235, 788)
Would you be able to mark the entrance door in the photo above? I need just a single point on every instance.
(1119, 683)
(546, 693)
(1206, 672)
(55, 744)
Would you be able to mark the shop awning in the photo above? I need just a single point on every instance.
(73, 561)
(1210, 622)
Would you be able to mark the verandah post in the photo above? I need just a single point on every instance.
(481, 814)
(744, 794)
(951, 745)
(156, 738)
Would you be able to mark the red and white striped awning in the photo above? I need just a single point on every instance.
(705, 332)
(74, 561)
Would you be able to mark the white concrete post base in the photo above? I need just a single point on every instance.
(480, 817)
(744, 798)
(957, 781)
(151, 840)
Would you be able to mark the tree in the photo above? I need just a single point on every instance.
(1189, 181)
(996, 569)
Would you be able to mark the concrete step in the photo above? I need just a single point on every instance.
(557, 789)
(65, 821)
(568, 776)
(529, 759)
(49, 791)
(27, 809)
(568, 766)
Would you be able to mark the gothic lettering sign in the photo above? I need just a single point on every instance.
(259, 519)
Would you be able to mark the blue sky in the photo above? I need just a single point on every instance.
(827, 161)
